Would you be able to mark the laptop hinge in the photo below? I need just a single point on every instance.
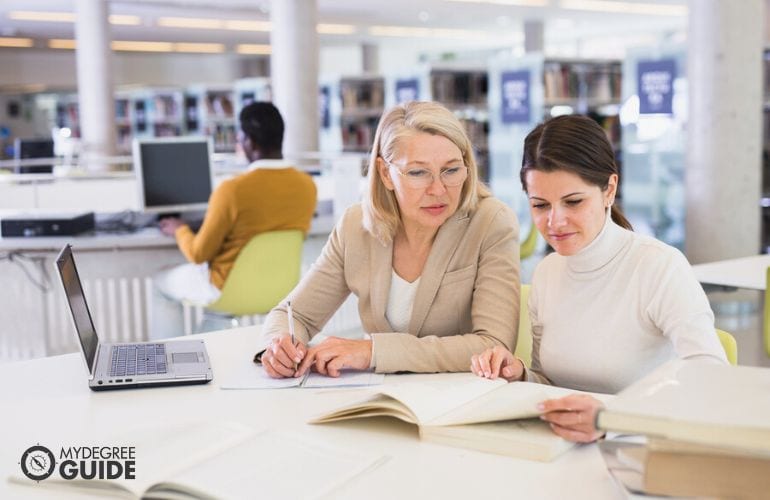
(96, 362)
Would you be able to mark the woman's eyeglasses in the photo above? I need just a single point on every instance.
(420, 178)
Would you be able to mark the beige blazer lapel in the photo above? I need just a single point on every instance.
(447, 239)
(381, 268)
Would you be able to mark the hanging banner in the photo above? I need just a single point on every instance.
(656, 86)
(515, 96)
(407, 90)
(324, 100)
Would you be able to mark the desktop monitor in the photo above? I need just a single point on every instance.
(28, 149)
(173, 173)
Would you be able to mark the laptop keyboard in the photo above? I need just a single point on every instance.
(138, 359)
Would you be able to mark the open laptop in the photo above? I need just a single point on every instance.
(124, 365)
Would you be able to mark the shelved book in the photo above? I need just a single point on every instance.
(699, 402)
(225, 460)
(466, 411)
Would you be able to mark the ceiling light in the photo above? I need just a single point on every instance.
(190, 22)
(253, 48)
(51, 17)
(61, 43)
(237, 25)
(201, 48)
(132, 46)
(125, 20)
(68, 17)
(336, 29)
(625, 7)
(16, 42)
(519, 3)
(213, 24)
(415, 32)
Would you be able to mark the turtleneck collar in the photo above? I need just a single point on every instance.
(602, 250)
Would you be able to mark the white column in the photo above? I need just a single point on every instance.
(94, 70)
(294, 71)
(534, 35)
(724, 170)
(370, 58)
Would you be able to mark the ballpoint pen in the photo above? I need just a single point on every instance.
(291, 327)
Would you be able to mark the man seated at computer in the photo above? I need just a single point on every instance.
(272, 195)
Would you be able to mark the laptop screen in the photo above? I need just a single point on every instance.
(77, 302)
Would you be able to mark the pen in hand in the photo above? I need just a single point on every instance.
(291, 329)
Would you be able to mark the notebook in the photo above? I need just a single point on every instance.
(125, 365)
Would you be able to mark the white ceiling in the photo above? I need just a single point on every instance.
(492, 24)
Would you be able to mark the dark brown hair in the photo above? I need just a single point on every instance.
(576, 144)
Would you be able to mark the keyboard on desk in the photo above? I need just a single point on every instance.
(138, 359)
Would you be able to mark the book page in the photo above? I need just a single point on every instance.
(431, 399)
(529, 439)
(510, 401)
(272, 465)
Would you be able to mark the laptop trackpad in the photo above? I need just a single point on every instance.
(187, 364)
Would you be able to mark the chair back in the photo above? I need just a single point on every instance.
(265, 271)
(729, 345)
(524, 341)
(528, 246)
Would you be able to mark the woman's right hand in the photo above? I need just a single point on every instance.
(497, 361)
(281, 357)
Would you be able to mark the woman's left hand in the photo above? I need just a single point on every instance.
(334, 354)
(572, 417)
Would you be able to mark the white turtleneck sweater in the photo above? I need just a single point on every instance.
(610, 314)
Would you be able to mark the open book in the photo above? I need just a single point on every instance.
(227, 460)
(697, 401)
(463, 410)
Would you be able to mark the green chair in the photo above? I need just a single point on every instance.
(265, 271)
(766, 320)
(524, 343)
(529, 245)
(729, 345)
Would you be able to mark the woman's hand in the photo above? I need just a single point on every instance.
(495, 362)
(335, 354)
(281, 357)
(572, 417)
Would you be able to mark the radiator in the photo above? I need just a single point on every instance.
(41, 325)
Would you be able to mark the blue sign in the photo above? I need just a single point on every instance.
(324, 101)
(656, 86)
(514, 86)
(407, 90)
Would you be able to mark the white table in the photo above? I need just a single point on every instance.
(48, 401)
(746, 272)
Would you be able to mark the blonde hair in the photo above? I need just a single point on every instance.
(381, 215)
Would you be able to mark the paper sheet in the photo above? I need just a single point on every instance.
(253, 376)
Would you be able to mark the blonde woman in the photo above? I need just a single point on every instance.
(431, 256)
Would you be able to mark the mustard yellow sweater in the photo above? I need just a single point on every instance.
(254, 202)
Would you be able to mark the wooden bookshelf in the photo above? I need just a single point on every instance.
(363, 100)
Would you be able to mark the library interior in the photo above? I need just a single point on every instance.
(131, 129)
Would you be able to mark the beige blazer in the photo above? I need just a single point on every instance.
(467, 299)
